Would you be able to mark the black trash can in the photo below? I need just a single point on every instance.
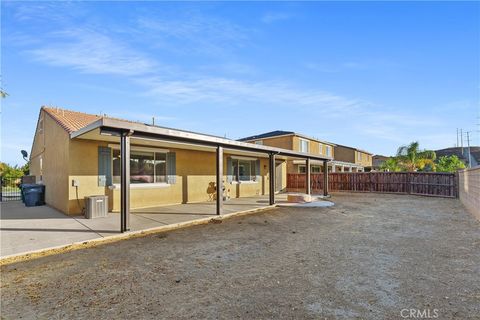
(33, 194)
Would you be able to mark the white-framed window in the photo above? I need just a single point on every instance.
(359, 156)
(259, 142)
(303, 145)
(244, 170)
(313, 169)
(328, 151)
(146, 166)
(320, 148)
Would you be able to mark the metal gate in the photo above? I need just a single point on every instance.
(10, 190)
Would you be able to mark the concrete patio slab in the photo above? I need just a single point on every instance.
(28, 229)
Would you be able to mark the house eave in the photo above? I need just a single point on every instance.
(139, 130)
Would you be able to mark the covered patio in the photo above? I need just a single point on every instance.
(126, 134)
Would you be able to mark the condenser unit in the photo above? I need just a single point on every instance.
(96, 207)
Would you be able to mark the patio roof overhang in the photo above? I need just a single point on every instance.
(102, 128)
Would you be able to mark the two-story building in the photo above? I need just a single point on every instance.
(356, 160)
(298, 142)
(290, 140)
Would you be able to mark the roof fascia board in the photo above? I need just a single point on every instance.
(92, 126)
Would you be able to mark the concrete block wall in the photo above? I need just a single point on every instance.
(469, 190)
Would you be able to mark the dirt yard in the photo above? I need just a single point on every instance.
(369, 257)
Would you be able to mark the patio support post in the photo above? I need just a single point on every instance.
(271, 175)
(325, 178)
(219, 179)
(125, 181)
(307, 177)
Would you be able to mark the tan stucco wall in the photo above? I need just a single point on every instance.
(83, 167)
(65, 160)
(366, 159)
(51, 148)
(284, 142)
(469, 190)
(195, 172)
(344, 154)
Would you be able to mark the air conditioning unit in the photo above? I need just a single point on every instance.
(96, 206)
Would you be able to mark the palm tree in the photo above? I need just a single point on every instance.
(391, 165)
(412, 158)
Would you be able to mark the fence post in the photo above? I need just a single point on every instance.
(456, 184)
(409, 184)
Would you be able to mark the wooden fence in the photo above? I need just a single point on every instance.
(419, 183)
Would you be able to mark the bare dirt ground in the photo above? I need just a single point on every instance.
(368, 257)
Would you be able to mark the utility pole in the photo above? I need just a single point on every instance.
(457, 139)
(461, 140)
(469, 154)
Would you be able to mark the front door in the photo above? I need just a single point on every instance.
(278, 176)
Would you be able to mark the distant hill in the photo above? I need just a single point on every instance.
(457, 151)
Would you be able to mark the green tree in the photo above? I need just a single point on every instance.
(412, 158)
(449, 164)
(26, 169)
(391, 165)
(11, 172)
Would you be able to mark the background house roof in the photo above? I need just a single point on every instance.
(270, 134)
(278, 133)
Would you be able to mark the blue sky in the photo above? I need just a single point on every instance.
(367, 74)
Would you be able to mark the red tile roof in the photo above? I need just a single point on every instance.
(71, 120)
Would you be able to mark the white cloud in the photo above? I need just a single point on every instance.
(234, 91)
(194, 33)
(92, 52)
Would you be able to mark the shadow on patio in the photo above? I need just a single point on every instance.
(26, 229)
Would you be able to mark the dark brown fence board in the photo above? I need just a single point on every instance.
(418, 183)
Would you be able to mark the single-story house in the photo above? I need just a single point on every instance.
(140, 165)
